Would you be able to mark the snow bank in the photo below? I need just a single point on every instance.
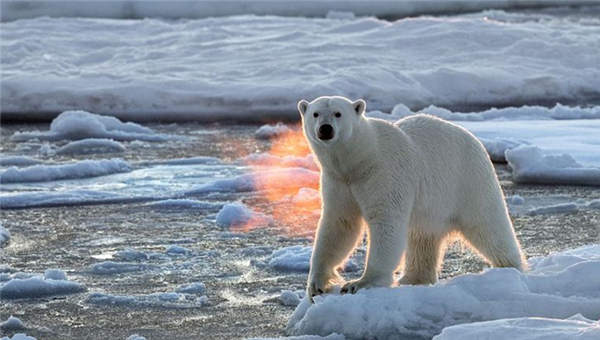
(530, 165)
(131, 9)
(75, 125)
(111, 268)
(576, 327)
(236, 215)
(90, 145)
(269, 131)
(4, 236)
(81, 169)
(297, 259)
(36, 287)
(12, 324)
(558, 286)
(160, 300)
(18, 161)
(491, 59)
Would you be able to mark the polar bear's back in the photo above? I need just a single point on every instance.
(455, 166)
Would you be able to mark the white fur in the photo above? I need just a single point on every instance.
(414, 183)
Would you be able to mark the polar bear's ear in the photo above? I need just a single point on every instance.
(302, 106)
(359, 106)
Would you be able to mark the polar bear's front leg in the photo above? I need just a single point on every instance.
(387, 240)
(339, 230)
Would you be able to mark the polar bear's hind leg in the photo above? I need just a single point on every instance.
(423, 258)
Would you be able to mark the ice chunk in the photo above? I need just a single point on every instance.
(164, 300)
(197, 288)
(4, 236)
(110, 267)
(530, 165)
(81, 169)
(135, 337)
(36, 287)
(562, 208)
(177, 250)
(91, 145)
(515, 200)
(237, 214)
(76, 125)
(19, 336)
(289, 298)
(559, 286)
(184, 204)
(130, 255)
(524, 329)
(297, 259)
(18, 161)
(12, 324)
(54, 274)
(269, 131)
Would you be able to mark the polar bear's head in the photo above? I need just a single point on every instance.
(327, 120)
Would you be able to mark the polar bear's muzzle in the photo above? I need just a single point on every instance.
(325, 132)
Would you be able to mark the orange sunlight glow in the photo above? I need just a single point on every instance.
(289, 179)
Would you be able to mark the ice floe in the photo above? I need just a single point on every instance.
(269, 131)
(80, 169)
(75, 125)
(561, 208)
(4, 235)
(558, 286)
(159, 300)
(491, 58)
(111, 268)
(37, 287)
(18, 161)
(89, 146)
(12, 324)
(297, 259)
(576, 327)
(530, 165)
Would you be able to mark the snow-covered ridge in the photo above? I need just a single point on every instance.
(471, 61)
(131, 9)
(558, 287)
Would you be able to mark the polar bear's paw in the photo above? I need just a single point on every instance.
(354, 285)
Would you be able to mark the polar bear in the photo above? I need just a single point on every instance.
(413, 182)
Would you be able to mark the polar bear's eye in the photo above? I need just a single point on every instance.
(338, 115)
(316, 114)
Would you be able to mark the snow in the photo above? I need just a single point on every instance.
(18, 161)
(557, 286)
(307, 196)
(530, 165)
(270, 160)
(491, 58)
(121, 9)
(111, 268)
(163, 300)
(90, 145)
(525, 329)
(4, 235)
(515, 200)
(562, 208)
(12, 324)
(297, 259)
(19, 336)
(74, 125)
(594, 204)
(80, 169)
(197, 288)
(37, 287)
(236, 215)
(269, 131)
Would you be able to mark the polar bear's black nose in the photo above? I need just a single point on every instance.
(325, 132)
